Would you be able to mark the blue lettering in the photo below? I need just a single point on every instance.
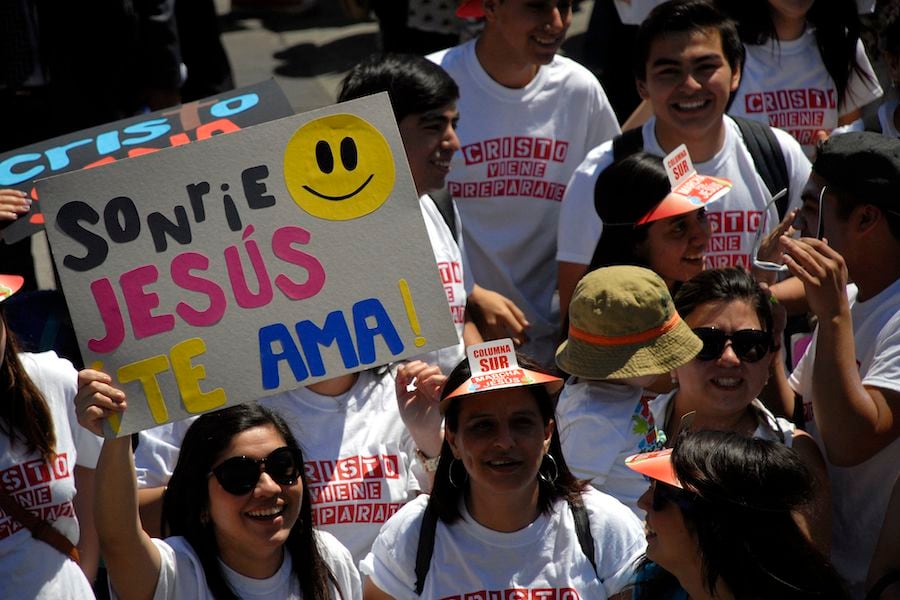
(151, 130)
(59, 156)
(108, 142)
(269, 358)
(224, 108)
(10, 177)
(335, 329)
(367, 309)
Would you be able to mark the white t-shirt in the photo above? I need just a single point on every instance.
(360, 459)
(472, 561)
(734, 219)
(455, 277)
(519, 148)
(181, 574)
(600, 425)
(785, 85)
(31, 568)
(770, 428)
(859, 495)
(886, 118)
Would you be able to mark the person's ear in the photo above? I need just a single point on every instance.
(867, 217)
(736, 77)
(548, 434)
(450, 436)
(490, 9)
(642, 89)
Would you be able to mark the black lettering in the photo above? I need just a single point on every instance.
(68, 219)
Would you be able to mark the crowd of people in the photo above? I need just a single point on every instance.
(659, 425)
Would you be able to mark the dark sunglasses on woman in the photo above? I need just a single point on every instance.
(749, 345)
(663, 494)
(238, 475)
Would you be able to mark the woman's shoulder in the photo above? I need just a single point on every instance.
(47, 369)
(340, 561)
(408, 520)
(604, 508)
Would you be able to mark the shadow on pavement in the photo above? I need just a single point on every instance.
(309, 60)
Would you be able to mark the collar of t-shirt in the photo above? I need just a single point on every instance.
(503, 93)
(276, 586)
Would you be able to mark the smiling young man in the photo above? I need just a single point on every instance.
(529, 118)
(849, 378)
(424, 100)
(687, 66)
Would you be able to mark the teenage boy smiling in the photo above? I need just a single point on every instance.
(687, 66)
(529, 117)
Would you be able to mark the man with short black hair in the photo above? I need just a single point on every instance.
(849, 378)
(687, 65)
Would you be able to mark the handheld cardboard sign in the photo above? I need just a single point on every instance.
(237, 267)
(135, 136)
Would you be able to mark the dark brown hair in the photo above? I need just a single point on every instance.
(24, 414)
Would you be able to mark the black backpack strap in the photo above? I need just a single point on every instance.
(583, 531)
(768, 159)
(627, 143)
(426, 546)
(444, 203)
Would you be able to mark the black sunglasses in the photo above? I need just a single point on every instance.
(749, 345)
(663, 494)
(238, 475)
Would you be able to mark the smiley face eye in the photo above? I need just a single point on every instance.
(348, 153)
(324, 157)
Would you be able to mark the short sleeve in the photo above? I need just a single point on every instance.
(341, 564)
(579, 225)
(619, 541)
(884, 371)
(863, 87)
(180, 572)
(157, 453)
(580, 426)
(602, 124)
(391, 562)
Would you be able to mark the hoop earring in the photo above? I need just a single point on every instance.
(548, 479)
(450, 474)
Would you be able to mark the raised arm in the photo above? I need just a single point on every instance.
(133, 562)
(856, 421)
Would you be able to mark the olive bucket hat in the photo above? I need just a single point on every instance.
(623, 323)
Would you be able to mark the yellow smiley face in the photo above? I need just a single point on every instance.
(338, 168)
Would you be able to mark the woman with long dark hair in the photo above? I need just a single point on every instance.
(505, 512)
(44, 457)
(721, 522)
(628, 197)
(733, 318)
(237, 507)
(806, 69)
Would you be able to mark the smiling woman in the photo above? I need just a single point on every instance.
(237, 507)
(674, 246)
(505, 510)
(733, 317)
